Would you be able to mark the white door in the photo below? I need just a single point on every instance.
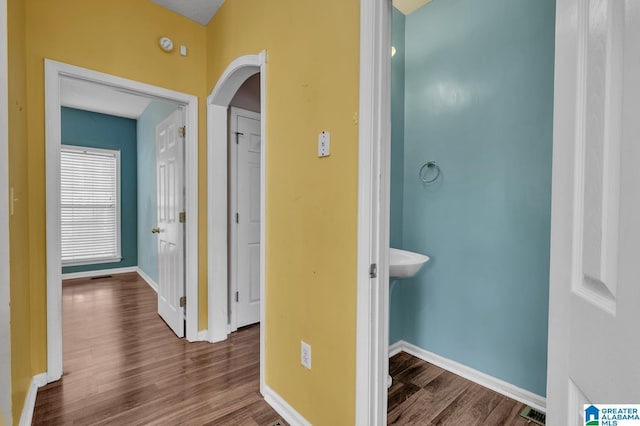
(170, 230)
(245, 194)
(594, 318)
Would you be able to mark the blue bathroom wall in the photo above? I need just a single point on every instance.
(397, 162)
(147, 188)
(397, 126)
(479, 101)
(90, 129)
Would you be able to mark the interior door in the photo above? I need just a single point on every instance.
(245, 129)
(170, 229)
(594, 350)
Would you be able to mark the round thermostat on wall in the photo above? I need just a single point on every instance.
(166, 44)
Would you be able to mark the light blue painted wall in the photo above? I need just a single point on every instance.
(147, 192)
(478, 100)
(84, 128)
(397, 161)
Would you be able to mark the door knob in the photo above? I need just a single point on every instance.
(155, 230)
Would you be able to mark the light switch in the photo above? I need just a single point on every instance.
(324, 144)
(183, 50)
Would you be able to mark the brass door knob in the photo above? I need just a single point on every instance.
(155, 230)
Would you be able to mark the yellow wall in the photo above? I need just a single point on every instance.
(118, 37)
(312, 85)
(21, 371)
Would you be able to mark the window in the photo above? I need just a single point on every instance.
(89, 205)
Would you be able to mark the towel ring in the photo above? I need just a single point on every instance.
(425, 167)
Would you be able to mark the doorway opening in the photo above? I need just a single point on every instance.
(244, 205)
(220, 198)
(57, 75)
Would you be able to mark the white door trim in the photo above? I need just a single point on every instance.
(232, 228)
(5, 329)
(54, 71)
(230, 81)
(373, 212)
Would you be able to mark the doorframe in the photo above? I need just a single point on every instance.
(5, 318)
(236, 73)
(54, 71)
(374, 142)
(233, 229)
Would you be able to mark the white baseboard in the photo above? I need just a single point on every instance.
(202, 336)
(148, 279)
(282, 407)
(37, 381)
(526, 397)
(99, 273)
(396, 348)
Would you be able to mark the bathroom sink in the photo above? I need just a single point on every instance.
(405, 264)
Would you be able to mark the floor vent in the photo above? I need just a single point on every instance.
(534, 415)
(102, 277)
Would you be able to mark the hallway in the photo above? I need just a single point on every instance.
(123, 365)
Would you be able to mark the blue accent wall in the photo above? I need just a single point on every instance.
(90, 129)
(397, 162)
(479, 102)
(147, 187)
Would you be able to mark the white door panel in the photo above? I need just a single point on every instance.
(170, 232)
(595, 241)
(245, 256)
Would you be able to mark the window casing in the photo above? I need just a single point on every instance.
(89, 205)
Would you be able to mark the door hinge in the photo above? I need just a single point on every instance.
(183, 301)
(182, 131)
(237, 296)
(373, 270)
(237, 217)
(182, 217)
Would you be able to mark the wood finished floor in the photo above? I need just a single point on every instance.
(124, 366)
(423, 394)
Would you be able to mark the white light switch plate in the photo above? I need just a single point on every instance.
(305, 354)
(324, 144)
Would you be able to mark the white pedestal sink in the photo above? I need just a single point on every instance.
(403, 264)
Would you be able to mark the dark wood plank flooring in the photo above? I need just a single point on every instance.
(426, 395)
(124, 366)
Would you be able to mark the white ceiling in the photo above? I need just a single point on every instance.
(94, 97)
(200, 11)
(409, 6)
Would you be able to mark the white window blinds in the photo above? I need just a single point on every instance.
(89, 205)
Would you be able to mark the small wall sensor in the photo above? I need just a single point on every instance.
(166, 44)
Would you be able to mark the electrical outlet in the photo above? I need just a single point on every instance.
(305, 354)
